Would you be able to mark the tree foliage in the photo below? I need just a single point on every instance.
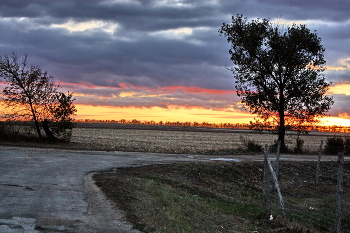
(63, 109)
(278, 70)
(32, 93)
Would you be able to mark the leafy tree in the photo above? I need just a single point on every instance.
(32, 93)
(278, 70)
(61, 111)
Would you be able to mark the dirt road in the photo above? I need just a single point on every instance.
(49, 190)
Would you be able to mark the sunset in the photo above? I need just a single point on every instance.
(174, 116)
(157, 114)
(162, 60)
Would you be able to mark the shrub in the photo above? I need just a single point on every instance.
(250, 145)
(254, 147)
(283, 149)
(11, 131)
(347, 145)
(299, 145)
(2, 131)
(8, 132)
(334, 145)
(244, 140)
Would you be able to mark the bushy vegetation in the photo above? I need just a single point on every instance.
(274, 147)
(6, 132)
(254, 147)
(299, 145)
(10, 131)
(13, 131)
(336, 144)
(347, 145)
(250, 145)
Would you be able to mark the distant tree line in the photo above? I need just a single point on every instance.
(252, 125)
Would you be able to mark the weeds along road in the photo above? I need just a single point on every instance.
(50, 190)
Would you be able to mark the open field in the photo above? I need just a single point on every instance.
(169, 139)
(185, 140)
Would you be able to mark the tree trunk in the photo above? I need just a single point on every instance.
(281, 132)
(35, 120)
(38, 128)
(281, 128)
(47, 130)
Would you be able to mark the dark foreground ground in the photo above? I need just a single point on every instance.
(225, 197)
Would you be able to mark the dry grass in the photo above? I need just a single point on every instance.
(223, 197)
(184, 197)
(168, 139)
(210, 142)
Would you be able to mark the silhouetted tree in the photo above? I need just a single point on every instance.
(278, 70)
(33, 92)
(62, 111)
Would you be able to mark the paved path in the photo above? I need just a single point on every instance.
(45, 190)
(49, 190)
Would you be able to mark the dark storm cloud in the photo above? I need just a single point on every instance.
(88, 55)
(139, 15)
(154, 43)
(324, 10)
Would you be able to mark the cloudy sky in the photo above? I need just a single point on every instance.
(160, 60)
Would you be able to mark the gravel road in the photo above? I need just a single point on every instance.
(49, 190)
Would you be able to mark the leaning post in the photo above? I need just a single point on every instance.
(318, 164)
(277, 163)
(266, 182)
(339, 213)
(274, 176)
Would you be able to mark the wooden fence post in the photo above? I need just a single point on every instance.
(277, 163)
(318, 164)
(274, 176)
(339, 214)
(266, 181)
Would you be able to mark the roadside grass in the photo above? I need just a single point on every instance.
(186, 198)
(219, 197)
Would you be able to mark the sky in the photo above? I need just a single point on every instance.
(162, 60)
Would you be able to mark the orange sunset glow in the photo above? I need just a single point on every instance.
(125, 96)
(329, 121)
(157, 114)
(181, 114)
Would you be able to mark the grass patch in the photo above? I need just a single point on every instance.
(178, 200)
(220, 197)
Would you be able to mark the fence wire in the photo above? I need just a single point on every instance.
(310, 204)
